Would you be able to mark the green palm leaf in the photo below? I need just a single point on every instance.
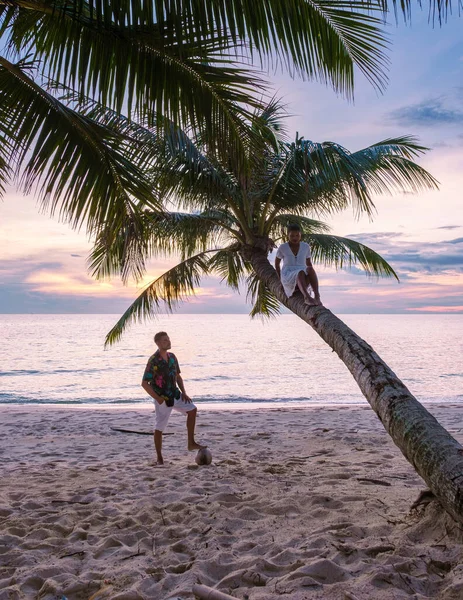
(269, 127)
(121, 250)
(281, 222)
(340, 252)
(313, 176)
(190, 233)
(230, 266)
(81, 167)
(326, 178)
(438, 9)
(388, 166)
(4, 173)
(265, 304)
(160, 233)
(168, 290)
(141, 69)
(198, 179)
(5, 169)
(320, 39)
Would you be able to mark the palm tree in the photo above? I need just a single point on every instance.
(230, 224)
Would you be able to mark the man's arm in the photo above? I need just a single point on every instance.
(181, 385)
(149, 390)
(277, 267)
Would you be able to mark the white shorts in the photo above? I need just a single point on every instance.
(163, 411)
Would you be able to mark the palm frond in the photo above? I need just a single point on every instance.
(120, 250)
(190, 233)
(158, 233)
(172, 287)
(340, 252)
(4, 174)
(320, 39)
(230, 266)
(144, 69)
(134, 132)
(317, 177)
(269, 127)
(194, 177)
(5, 168)
(438, 10)
(77, 165)
(326, 178)
(334, 177)
(265, 304)
(171, 155)
(388, 166)
(307, 225)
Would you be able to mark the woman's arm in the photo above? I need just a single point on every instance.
(277, 267)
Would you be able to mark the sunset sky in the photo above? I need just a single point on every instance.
(43, 263)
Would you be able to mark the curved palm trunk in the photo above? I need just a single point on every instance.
(432, 451)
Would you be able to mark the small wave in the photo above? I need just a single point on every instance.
(12, 398)
(80, 371)
(26, 372)
(452, 375)
(247, 399)
(213, 378)
(130, 401)
(16, 399)
(19, 372)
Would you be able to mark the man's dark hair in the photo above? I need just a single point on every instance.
(158, 336)
(294, 227)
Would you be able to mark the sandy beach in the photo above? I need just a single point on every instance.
(299, 503)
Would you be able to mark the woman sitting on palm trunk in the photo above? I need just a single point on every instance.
(297, 271)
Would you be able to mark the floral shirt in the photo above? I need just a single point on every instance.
(162, 376)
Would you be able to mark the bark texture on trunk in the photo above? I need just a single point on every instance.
(433, 452)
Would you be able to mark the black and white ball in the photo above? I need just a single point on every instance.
(204, 457)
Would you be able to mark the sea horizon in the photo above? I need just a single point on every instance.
(245, 313)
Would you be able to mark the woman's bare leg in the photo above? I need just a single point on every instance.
(302, 285)
(312, 280)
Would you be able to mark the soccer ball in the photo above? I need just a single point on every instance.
(204, 457)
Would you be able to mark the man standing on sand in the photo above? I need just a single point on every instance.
(160, 380)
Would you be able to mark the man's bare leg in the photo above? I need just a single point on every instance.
(302, 285)
(312, 280)
(190, 425)
(158, 446)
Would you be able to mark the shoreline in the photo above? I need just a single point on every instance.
(302, 503)
(219, 406)
(214, 406)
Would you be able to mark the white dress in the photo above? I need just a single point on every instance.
(292, 265)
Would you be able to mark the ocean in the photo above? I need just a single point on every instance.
(60, 359)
